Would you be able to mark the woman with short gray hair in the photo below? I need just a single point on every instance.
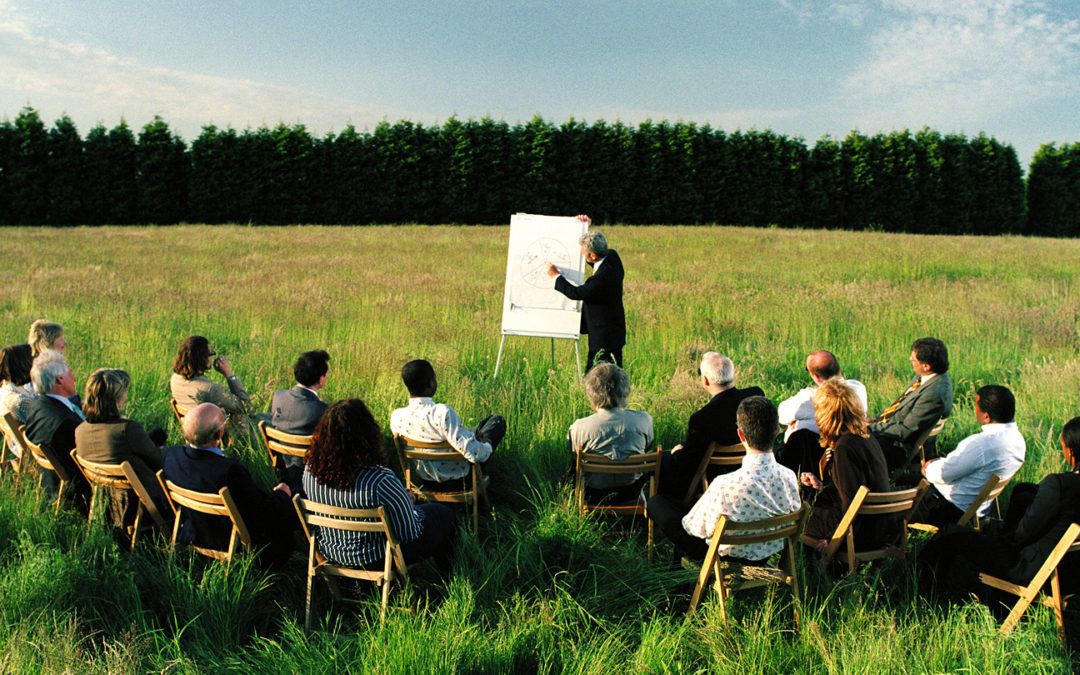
(613, 431)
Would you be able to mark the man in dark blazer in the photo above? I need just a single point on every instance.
(602, 315)
(714, 423)
(51, 419)
(201, 465)
(928, 398)
(297, 410)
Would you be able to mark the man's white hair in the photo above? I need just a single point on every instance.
(718, 368)
(594, 242)
(49, 366)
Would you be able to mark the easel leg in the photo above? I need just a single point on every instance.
(577, 355)
(498, 359)
(553, 352)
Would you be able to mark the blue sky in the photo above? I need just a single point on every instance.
(803, 68)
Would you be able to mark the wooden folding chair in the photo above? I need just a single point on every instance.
(866, 503)
(990, 492)
(178, 410)
(729, 576)
(646, 463)
(473, 491)
(279, 443)
(47, 460)
(716, 455)
(215, 504)
(120, 476)
(1049, 571)
(918, 450)
(314, 514)
(13, 435)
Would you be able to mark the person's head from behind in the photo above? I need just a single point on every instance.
(837, 411)
(419, 378)
(15, 364)
(758, 422)
(822, 365)
(930, 352)
(51, 375)
(607, 386)
(346, 439)
(312, 368)
(193, 357)
(997, 402)
(45, 335)
(1070, 441)
(716, 370)
(204, 425)
(106, 393)
(593, 245)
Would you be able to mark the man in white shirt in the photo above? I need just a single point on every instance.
(957, 478)
(425, 420)
(801, 450)
(760, 489)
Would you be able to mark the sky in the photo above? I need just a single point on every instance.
(806, 68)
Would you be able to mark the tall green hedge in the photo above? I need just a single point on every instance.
(481, 171)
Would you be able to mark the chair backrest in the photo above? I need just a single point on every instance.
(178, 410)
(376, 520)
(280, 443)
(12, 430)
(218, 503)
(866, 503)
(121, 476)
(588, 462)
(412, 449)
(45, 458)
(993, 488)
(731, 533)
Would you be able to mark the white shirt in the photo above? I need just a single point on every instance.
(69, 404)
(762, 488)
(960, 475)
(797, 412)
(425, 420)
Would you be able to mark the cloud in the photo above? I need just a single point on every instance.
(961, 62)
(36, 69)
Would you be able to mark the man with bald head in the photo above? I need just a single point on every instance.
(801, 450)
(201, 465)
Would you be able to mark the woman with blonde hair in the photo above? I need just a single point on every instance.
(852, 459)
(45, 334)
(108, 437)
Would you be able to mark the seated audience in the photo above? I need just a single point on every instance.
(15, 364)
(928, 398)
(190, 386)
(612, 431)
(852, 459)
(297, 410)
(1037, 517)
(759, 489)
(201, 465)
(956, 479)
(425, 420)
(714, 423)
(801, 450)
(109, 438)
(347, 467)
(51, 419)
(45, 335)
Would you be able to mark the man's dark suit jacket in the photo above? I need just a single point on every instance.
(1056, 506)
(602, 315)
(714, 423)
(51, 424)
(296, 411)
(269, 516)
(919, 411)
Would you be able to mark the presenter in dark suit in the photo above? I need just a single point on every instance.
(928, 398)
(297, 410)
(714, 423)
(201, 465)
(52, 418)
(602, 315)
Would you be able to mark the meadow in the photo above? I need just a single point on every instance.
(539, 588)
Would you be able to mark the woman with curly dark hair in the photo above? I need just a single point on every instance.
(347, 467)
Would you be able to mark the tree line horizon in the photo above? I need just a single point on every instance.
(481, 171)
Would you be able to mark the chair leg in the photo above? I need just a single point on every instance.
(476, 515)
(650, 543)
(385, 598)
(307, 606)
(94, 489)
(721, 589)
(1056, 602)
(135, 526)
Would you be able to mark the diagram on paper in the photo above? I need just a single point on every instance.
(533, 266)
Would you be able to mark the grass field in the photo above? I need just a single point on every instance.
(542, 589)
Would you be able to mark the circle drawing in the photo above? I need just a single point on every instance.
(533, 268)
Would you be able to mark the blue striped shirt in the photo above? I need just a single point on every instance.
(374, 486)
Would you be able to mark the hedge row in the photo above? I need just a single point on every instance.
(481, 171)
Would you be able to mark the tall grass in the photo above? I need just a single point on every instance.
(540, 588)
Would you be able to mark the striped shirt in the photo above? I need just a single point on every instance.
(374, 486)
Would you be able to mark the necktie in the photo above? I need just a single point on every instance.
(884, 417)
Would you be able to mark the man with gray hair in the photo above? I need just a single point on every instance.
(52, 417)
(714, 423)
(602, 315)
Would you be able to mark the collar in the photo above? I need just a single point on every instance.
(69, 404)
(596, 265)
(216, 451)
(313, 392)
(756, 459)
(923, 379)
(998, 426)
(420, 401)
